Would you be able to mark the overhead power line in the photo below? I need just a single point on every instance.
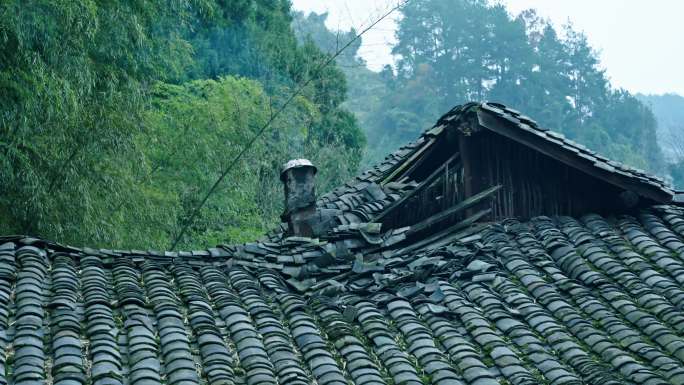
(268, 123)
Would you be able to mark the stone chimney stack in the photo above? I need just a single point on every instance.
(298, 177)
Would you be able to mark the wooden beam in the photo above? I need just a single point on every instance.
(402, 166)
(453, 210)
(418, 162)
(447, 235)
(418, 188)
(467, 165)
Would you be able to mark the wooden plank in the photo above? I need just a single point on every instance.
(419, 162)
(418, 188)
(467, 168)
(453, 210)
(447, 235)
(408, 162)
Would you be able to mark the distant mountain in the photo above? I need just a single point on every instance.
(669, 112)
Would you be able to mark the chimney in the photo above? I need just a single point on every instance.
(300, 196)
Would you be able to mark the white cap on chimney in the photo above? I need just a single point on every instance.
(296, 163)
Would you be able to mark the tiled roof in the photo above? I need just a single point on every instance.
(552, 300)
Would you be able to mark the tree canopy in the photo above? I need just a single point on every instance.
(117, 115)
(669, 111)
(452, 51)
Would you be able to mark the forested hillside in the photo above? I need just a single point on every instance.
(117, 117)
(451, 51)
(669, 111)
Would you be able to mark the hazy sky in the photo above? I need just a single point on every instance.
(641, 42)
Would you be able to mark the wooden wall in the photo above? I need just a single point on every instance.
(533, 184)
(440, 178)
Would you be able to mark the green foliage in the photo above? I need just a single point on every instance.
(116, 118)
(364, 88)
(197, 129)
(677, 172)
(669, 112)
(452, 51)
(473, 50)
(194, 131)
(71, 91)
